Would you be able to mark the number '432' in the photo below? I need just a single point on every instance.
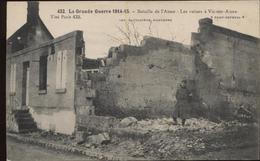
(61, 10)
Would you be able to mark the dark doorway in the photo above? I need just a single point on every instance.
(25, 83)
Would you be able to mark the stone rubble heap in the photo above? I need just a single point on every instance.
(165, 140)
(167, 124)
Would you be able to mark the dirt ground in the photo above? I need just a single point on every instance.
(17, 151)
(199, 139)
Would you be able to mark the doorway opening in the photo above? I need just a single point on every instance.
(25, 83)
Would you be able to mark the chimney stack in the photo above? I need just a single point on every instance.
(32, 12)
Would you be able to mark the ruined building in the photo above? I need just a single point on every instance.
(49, 83)
(227, 68)
(221, 66)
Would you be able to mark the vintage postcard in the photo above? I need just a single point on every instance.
(132, 80)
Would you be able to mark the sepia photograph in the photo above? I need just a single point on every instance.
(132, 80)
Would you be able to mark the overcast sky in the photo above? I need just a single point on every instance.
(97, 27)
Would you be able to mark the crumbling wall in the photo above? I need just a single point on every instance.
(142, 81)
(227, 68)
(86, 120)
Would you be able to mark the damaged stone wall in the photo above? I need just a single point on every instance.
(222, 67)
(86, 120)
(142, 81)
(227, 68)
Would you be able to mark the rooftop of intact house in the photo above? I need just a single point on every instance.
(33, 32)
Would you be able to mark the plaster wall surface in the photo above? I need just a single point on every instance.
(227, 67)
(144, 78)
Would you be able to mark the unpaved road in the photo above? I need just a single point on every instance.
(250, 153)
(17, 151)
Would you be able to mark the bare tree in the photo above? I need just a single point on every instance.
(128, 34)
(136, 34)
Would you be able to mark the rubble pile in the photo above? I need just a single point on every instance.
(199, 137)
(102, 138)
(168, 145)
(167, 124)
(130, 147)
(196, 138)
(128, 121)
(165, 140)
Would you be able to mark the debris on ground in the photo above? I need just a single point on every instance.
(167, 124)
(196, 139)
(128, 121)
(99, 139)
(244, 114)
(80, 137)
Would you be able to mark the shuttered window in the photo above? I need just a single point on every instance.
(64, 69)
(61, 70)
(58, 70)
(13, 78)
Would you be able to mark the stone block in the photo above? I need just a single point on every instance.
(102, 138)
(80, 136)
(128, 121)
(85, 110)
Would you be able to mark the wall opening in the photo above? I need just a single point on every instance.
(25, 83)
(43, 73)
